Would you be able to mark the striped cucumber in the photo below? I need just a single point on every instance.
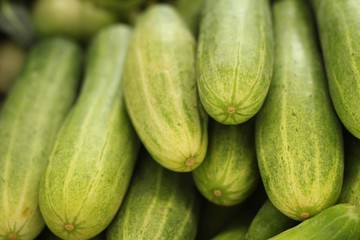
(229, 172)
(268, 222)
(160, 90)
(94, 155)
(350, 192)
(234, 58)
(29, 121)
(298, 136)
(338, 222)
(160, 204)
(338, 23)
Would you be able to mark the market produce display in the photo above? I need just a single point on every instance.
(179, 119)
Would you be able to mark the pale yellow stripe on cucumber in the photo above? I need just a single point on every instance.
(230, 155)
(238, 49)
(185, 221)
(167, 207)
(149, 212)
(156, 120)
(93, 185)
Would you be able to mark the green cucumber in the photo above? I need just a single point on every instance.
(29, 121)
(234, 58)
(78, 19)
(350, 192)
(94, 154)
(160, 204)
(229, 173)
(338, 222)
(190, 11)
(268, 222)
(160, 90)
(298, 136)
(338, 23)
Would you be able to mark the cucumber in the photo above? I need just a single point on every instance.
(77, 19)
(350, 192)
(298, 136)
(190, 11)
(160, 90)
(338, 222)
(229, 173)
(160, 204)
(94, 155)
(29, 121)
(268, 222)
(234, 58)
(338, 23)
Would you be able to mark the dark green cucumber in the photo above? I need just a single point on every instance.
(160, 90)
(29, 121)
(190, 11)
(268, 222)
(234, 58)
(229, 173)
(338, 222)
(160, 204)
(298, 136)
(94, 155)
(350, 192)
(338, 23)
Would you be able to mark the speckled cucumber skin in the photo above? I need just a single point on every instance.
(234, 58)
(161, 93)
(229, 173)
(338, 23)
(298, 136)
(160, 204)
(29, 121)
(268, 222)
(338, 222)
(94, 155)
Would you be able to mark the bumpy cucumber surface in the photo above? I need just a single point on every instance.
(94, 155)
(160, 90)
(298, 136)
(29, 121)
(229, 172)
(234, 58)
(268, 222)
(160, 204)
(338, 222)
(338, 23)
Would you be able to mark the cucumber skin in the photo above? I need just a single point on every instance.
(234, 58)
(160, 90)
(268, 222)
(338, 23)
(230, 164)
(350, 192)
(47, 86)
(338, 222)
(94, 155)
(298, 136)
(168, 207)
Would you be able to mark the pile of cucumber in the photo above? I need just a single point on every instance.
(180, 120)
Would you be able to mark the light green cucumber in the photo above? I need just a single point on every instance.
(338, 24)
(29, 121)
(338, 222)
(160, 204)
(229, 173)
(268, 222)
(234, 58)
(94, 154)
(79, 19)
(160, 90)
(350, 192)
(298, 136)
